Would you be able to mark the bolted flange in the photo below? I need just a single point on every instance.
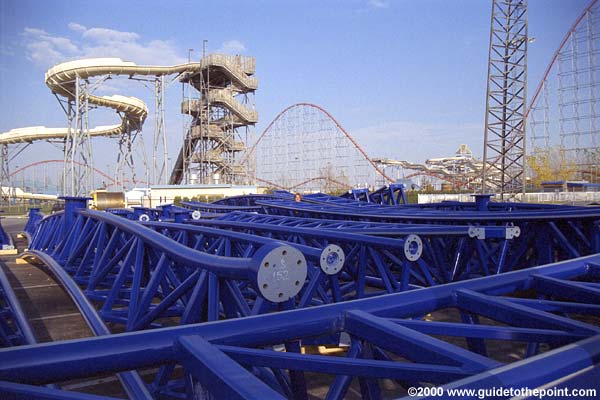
(144, 218)
(281, 273)
(196, 215)
(332, 259)
(413, 247)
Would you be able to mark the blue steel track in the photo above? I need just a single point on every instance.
(177, 280)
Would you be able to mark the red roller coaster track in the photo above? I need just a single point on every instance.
(338, 126)
(555, 56)
(112, 180)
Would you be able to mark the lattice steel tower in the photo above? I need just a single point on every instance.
(504, 143)
(4, 174)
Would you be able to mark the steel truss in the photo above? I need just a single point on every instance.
(33, 219)
(392, 194)
(78, 178)
(372, 261)
(504, 141)
(124, 267)
(374, 264)
(548, 234)
(5, 184)
(539, 310)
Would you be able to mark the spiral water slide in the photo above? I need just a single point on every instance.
(61, 79)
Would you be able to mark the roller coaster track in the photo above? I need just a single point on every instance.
(111, 181)
(354, 143)
(555, 56)
(235, 358)
(158, 273)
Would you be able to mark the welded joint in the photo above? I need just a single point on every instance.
(490, 232)
(413, 247)
(332, 259)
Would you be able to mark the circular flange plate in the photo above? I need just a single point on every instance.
(281, 274)
(413, 247)
(196, 215)
(332, 259)
(144, 218)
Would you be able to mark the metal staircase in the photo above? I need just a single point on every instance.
(215, 140)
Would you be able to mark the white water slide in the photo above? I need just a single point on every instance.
(61, 81)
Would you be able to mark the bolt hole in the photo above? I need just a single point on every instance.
(284, 252)
(267, 264)
(297, 283)
(299, 262)
(265, 286)
(280, 294)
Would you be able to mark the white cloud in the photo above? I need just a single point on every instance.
(378, 3)
(43, 48)
(105, 35)
(34, 31)
(74, 26)
(232, 47)
(46, 49)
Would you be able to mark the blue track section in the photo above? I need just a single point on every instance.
(459, 278)
(388, 337)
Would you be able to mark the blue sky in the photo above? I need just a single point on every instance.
(406, 78)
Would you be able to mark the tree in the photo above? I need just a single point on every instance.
(551, 164)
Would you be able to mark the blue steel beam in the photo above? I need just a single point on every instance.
(140, 278)
(345, 263)
(240, 345)
(372, 200)
(380, 259)
(547, 235)
(371, 266)
(377, 213)
(132, 383)
(218, 374)
(555, 366)
(392, 195)
(250, 199)
(235, 244)
(448, 253)
(126, 267)
(34, 218)
(14, 326)
(218, 208)
(466, 259)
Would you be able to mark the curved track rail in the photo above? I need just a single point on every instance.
(235, 358)
(337, 125)
(14, 327)
(538, 90)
